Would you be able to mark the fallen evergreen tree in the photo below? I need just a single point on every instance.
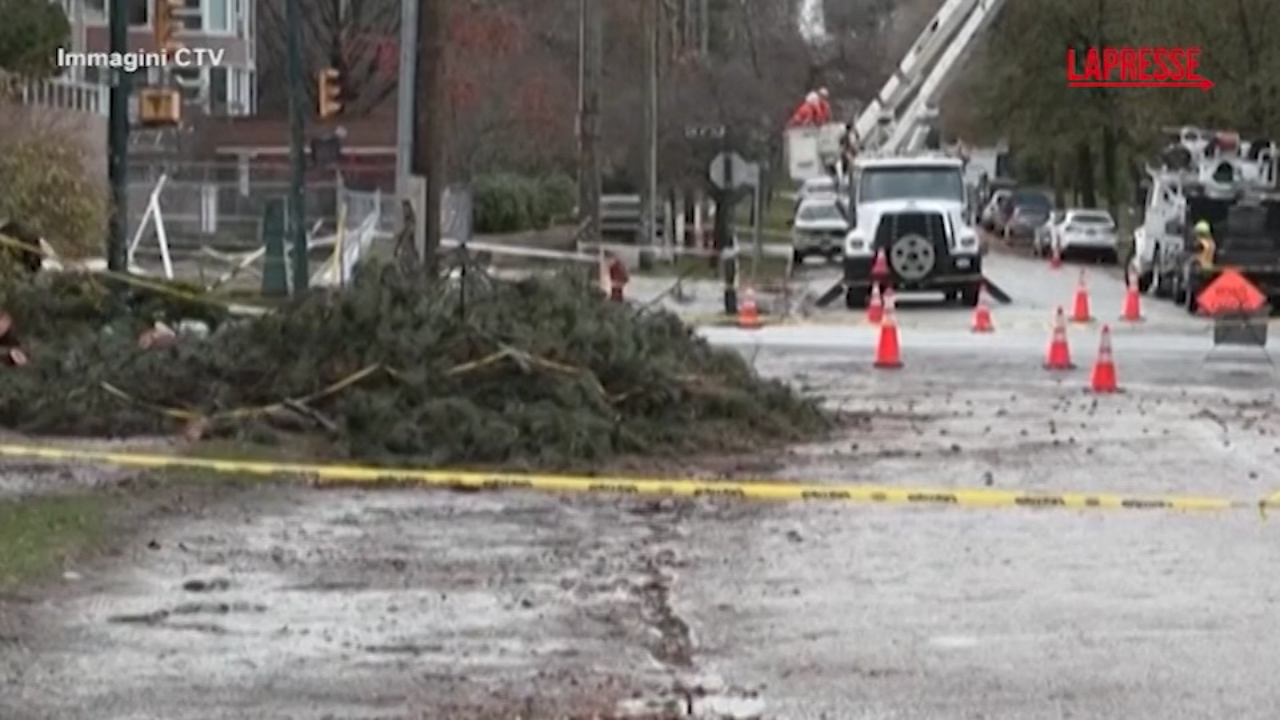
(538, 373)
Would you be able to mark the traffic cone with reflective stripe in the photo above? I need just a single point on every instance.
(1132, 311)
(749, 311)
(1059, 355)
(1080, 308)
(875, 308)
(982, 315)
(889, 350)
(880, 268)
(1103, 379)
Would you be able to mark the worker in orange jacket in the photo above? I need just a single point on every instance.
(807, 113)
(822, 111)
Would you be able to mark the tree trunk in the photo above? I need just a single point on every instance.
(1085, 184)
(429, 145)
(1110, 180)
(1055, 175)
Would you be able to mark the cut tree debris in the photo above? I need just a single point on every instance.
(535, 373)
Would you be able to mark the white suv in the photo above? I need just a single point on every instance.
(1080, 232)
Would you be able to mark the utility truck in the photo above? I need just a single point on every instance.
(914, 211)
(909, 197)
(1214, 177)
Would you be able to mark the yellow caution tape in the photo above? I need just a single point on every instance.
(336, 474)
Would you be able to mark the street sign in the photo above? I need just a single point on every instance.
(1230, 292)
(729, 171)
(704, 131)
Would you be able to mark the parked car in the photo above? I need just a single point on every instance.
(1081, 232)
(818, 229)
(1030, 210)
(993, 213)
(819, 187)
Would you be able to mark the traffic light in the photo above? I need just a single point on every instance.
(167, 25)
(159, 107)
(330, 93)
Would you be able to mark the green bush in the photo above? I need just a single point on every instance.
(48, 188)
(559, 196)
(508, 203)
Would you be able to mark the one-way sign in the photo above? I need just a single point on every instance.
(729, 171)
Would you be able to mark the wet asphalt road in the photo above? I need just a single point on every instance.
(409, 604)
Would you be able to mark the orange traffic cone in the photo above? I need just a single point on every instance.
(875, 308)
(888, 350)
(982, 317)
(1104, 378)
(1055, 256)
(880, 268)
(1132, 311)
(748, 311)
(1080, 308)
(1059, 355)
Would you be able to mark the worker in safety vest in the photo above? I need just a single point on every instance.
(1206, 248)
(806, 114)
(822, 109)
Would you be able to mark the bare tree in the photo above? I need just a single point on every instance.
(360, 38)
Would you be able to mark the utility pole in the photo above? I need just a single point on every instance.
(704, 27)
(118, 143)
(579, 121)
(428, 146)
(590, 78)
(652, 32)
(405, 94)
(297, 148)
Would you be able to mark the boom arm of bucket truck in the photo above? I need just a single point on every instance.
(881, 114)
(897, 119)
(908, 132)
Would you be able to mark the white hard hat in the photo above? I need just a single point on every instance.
(811, 97)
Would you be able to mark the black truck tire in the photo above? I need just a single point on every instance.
(855, 298)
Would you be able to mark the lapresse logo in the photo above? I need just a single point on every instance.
(1135, 67)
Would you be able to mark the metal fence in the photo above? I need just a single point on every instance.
(455, 208)
(221, 204)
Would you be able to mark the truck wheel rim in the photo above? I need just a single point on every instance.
(912, 257)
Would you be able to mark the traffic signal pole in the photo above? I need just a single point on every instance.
(297, 224)
(118, 144)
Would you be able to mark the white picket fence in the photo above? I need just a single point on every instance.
(360, 225)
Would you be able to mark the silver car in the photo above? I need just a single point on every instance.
(1081, 232)
(818, 229)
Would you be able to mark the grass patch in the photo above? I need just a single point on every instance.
(39, 535)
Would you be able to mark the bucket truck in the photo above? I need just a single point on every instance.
(910, 202)
(1215, 177)
(899, 119)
